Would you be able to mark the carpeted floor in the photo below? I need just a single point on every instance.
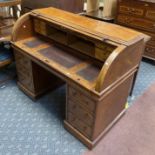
(134, 133)
(36, 128)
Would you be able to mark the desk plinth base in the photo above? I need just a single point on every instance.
(31, 94)
(35, 96)
(91, 144)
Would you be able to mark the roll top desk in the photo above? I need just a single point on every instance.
(96, 60)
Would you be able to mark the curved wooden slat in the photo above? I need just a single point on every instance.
(22, 28)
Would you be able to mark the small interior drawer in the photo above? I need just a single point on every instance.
(81, 44)
(102, 54)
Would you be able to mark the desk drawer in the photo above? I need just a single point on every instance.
(24, 69)
(131, 10)
(79, 125)
(152, 40)
(85, 101)
(80, 113)
(136, 22)
(22, 62)
(150, 51)
(150, 14)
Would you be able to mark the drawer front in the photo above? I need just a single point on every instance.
(131, 10)
(152, 40)
(79, 125)
(150, 14)
(22, 61)
(103, 54)
(26, 81)
(40, 27)
(24, 70)
(85, 101)
(136, 22)
(79, 112)
(150, 51)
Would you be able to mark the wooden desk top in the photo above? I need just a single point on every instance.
(96, 28)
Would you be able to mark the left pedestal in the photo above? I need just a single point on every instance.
(32, 78)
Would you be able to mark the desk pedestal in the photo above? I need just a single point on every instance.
(33, 79)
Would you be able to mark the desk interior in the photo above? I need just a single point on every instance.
(76, 67)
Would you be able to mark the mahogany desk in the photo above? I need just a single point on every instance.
(96, 60)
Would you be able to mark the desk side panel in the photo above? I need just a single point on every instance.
(121, 62)
(23, 28)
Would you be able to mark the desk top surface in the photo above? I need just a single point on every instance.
(103, 30)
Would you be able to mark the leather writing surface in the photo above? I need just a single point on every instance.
(60, 56)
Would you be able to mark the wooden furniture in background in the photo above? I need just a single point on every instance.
(75, 6)
(7, 21)
(139, 15)
(95, 59)
(105, 12)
